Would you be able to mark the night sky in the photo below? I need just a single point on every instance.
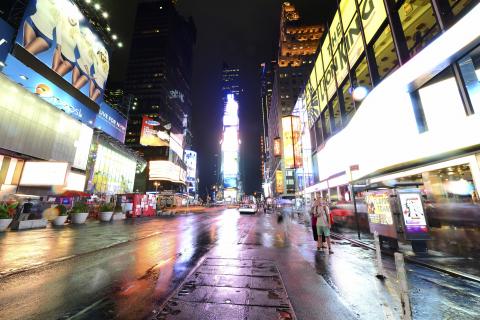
(243, 33)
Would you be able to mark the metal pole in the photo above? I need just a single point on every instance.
(352, 190)
(403, 287)
(380, 270)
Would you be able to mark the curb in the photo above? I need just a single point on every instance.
(451, 272)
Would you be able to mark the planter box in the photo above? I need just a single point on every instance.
(79, 218)
(106, 216)
(59, 221)
(4, 223)
(119, 216)
(29, 224)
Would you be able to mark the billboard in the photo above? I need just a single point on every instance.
(279, 181)
(113, 172)
(288, 156)
(152, 134)
(7, 34)
(277, 147)
(45, 89)
(230, 182)
(413, 213)
(44, 173)
(166, 170)
(190, 160)
(56, 33)
(111, 122)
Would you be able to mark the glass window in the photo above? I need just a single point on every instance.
(459, 6)
(326, 121)
(362, 76)
(385, 53)
(337, 115)
(348, 101)
(318, 132)
(470, 68)
(312, 137)
(418, 23)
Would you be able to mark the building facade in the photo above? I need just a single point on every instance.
(55, 111)
(297, 46)
(160, 77)
(393, 101)
(230, 82)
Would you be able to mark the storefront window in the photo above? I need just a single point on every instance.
(312, 137)
(385, 53)
(348, 101)
(362, 75)
(459, 6)
(337, 115)
(470, 68)
(418, 23)
(326, 123)
(318, 132)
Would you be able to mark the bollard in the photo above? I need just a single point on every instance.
(380, 271)
(403, 286)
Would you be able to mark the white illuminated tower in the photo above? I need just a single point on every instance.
(230, 150)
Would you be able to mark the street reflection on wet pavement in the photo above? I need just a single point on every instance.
(128, 270)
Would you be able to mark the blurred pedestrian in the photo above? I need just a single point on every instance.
(323, 223)
(313, 217)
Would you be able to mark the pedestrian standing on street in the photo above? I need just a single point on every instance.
(313, 216)
(323, 224)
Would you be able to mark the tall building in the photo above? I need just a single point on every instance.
(230, 82)
(160, 77)
(119, 99)
(267, 73)
(296, 52)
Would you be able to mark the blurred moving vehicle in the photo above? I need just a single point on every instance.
(248, 208)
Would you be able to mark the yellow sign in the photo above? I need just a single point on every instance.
(378, 208)
(288, 156)
(279, 181)
(343, 46)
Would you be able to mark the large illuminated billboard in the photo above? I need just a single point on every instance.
(190, 160)
(57, 34)
(111, 122)
(152, 134)
(292, 152)
(230, 144)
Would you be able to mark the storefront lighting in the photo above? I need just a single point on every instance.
(359, 93)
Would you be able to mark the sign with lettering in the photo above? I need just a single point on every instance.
(111, 122)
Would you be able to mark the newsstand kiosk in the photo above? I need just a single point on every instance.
(398, 214)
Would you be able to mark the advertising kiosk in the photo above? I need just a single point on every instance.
(137, 204)
(398, 214)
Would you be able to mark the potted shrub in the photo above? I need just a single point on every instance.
(62, 215)
(106, 211)
(79, 212)
(118, 213)
(5, 214)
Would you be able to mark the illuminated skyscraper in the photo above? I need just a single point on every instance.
(297, 46)
(230, 82)
(230, 150)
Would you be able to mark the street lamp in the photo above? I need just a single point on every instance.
(156, 184)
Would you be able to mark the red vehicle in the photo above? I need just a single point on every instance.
(138, 205)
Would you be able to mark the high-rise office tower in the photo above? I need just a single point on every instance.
(160, 77)
(296, 55)
(230, 82)
(267, 72)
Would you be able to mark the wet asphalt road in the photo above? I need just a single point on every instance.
(124, 270)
